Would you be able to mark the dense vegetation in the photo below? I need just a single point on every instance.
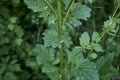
(59, 40)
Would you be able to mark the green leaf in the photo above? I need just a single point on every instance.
(85, 70)
(52, 72)
(19, 31)
(97, 47)
(67, 3)
(79, 11)
(110, 25)
(75, 22)
(18, 41)
(13, 19)
(44, 55)
(81, 68)
(36, 5)
(51, 38)
(104, 63)
(11, 27)
(96, 37)
(93, 56)
(10, 76)
(15, 2)
(84, 39)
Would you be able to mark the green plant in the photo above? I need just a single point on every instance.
(34, 47)
(58, 57)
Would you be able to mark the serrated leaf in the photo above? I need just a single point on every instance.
(48, 69)
(82, 69)
(97, 47)
(51, 38)
(79, 11)
(84, 39)
(51, 19)
(95, 37)
(86, 70)
(75, 22)
(67, 3)
(45, 55)
(36, 5)
(110, 25)
(104, 63)
(75, 55)
(52, 72)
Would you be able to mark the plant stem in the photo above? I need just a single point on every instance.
(60, 34)
(59, 17)
(110, 24)
(50, 6)
(68, 12)
(116, 10)
(106, 29)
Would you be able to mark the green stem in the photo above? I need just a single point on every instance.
(60, 34)
(50, 6)
(116, 10)
(59, 17)
(68, 12)
(106, 29)
(110, 24)
(38, 33)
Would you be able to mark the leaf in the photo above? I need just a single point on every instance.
(84, 39)
(52, 72)
(81, 68)
(18, 41)
(15, 2)
(11, 27)
(19, 31)
(36, 5)
(104, 63)
(79, 11)
(85, 70)
(97, 47)
(10, 76)
(13, 19)
(75, 22)
(93, 55)
(51, 38)
(110, 25)
(67, 3)
(44, 55)
(96, 37)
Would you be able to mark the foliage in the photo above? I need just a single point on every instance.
(59, 40)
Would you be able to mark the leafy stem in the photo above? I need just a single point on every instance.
(106, 29)
(111, 22)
